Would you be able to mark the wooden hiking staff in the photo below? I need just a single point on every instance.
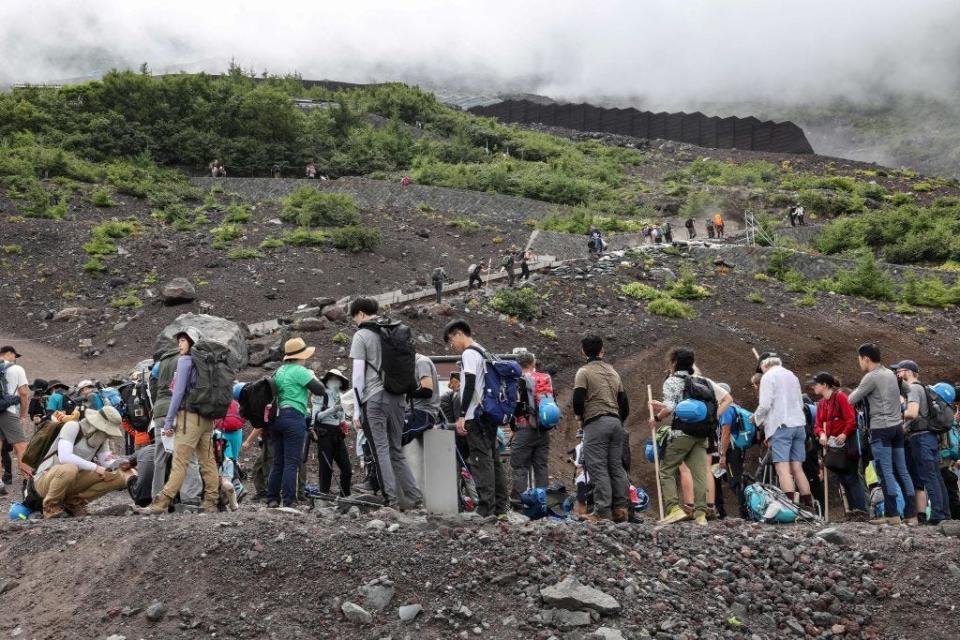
(755, 354)
(656, 453)
(826, 494)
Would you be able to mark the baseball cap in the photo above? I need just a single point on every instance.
(909, 365)
(10, 349)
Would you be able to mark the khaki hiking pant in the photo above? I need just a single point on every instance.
(194, 435)
(64, 482)
(692, 451)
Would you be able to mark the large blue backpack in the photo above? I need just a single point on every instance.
(501, 389)
(950, 444)
(743, 433)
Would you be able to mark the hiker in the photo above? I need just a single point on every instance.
(263, 463)
(231, 426)
(691, 229)
(530, 446)
(584, 502)
(14, 408)
(480, 434)
(601, 404)
(378, 411)
(59, 399)
(881, 391)
(656, 235)
(924, 445)
(668, 232)
(439, 277)
(275, 171)
(596, 243)
(526, 256)
(507, 264)
(474, 276)
(330, 428)
(37, 409)
(836, 429)
(793, 215)
(800, 213)
(711, 232)
(732, 457)
(687, 442)
(311, 171)
(424, 402)
(718, 224)
(195, 435)
(782, 417)
(405, 181)
(74, 471)
(450, 411)
(161, 390)
(217, 169)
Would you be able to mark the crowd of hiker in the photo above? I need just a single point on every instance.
(887, 449)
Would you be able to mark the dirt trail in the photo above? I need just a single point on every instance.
(45, 361)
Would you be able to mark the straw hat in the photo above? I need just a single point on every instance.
(336, 373)
(297, 349)
(107, 420)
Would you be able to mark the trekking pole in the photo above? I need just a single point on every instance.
(656, 454)
(826, 493)
(755, 354)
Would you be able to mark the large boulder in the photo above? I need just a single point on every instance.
(571, 595)
(178, 291)
(73, 313)
(213, 328)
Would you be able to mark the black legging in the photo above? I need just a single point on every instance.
(332, 449)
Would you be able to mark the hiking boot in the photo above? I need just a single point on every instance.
(159, 506)
(911, 522)
(592, 517)
(51, 511)
(620, 515)
(676, 514)
(7, 477)
(701, 520)
(415, 506)
(712, 513)
(3, 487)
(857, 516)
(210, 508)
(273, 504)
(688, 509)
(77, 507)
(895, 520)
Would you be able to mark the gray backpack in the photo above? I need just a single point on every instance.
(212, 391)
(7, 400)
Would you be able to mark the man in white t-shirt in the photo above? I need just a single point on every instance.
(15, 416)
(484, 458)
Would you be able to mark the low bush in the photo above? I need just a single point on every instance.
(922, 187)
(271, 243)
(464, 225)
(867, 280)
(304, 237)
(101, 198)
(244, 253)
(129, 301)
(356, 239)
(807, 301)
(686, 288)
(755, 298)
(523, 303)
(11, 249)
(94, 265)
(670, 308)
(640, 291)
(309, 207)
(227, 232)
(238, 214)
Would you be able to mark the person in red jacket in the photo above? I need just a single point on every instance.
(836, 428)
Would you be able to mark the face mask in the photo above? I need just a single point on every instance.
(333, 385)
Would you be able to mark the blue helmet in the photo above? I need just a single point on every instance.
(946, 391)
(19, 512)
(643, 500)
(549, 414)
(237, 388)
(691, 410)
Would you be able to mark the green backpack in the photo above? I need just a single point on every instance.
(213, 377)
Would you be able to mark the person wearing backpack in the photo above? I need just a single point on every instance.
(474, 276)
(384, 369)
(718, 224)
(475, 425)
(423, 404)
(733, 444)
(781, 414)
(525, 256)
(329, 426)
(924, 444)
(601, 404)
(59, 399)
(881, 391)
(193, 434)
(667, 232)
(38, 401)
(507, 264)
(530, 446)
(74, 471)
(691, 229)
(14, 407)
(231, 425)
(438, 278)
(836, 431)
(687, 442)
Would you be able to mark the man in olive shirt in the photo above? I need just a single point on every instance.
(601, 405)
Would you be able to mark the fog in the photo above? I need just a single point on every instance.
(660, 53)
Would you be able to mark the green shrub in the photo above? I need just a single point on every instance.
(929, 292)
(550, 334)
(271, 243)
(755, 298)
(227, 232)
(464, 225)
(900, 199)
(922, 187)
(807, 301)
(11, 249)
(341, 338)
(238, 213)
(640, 291)
(761, 277)
(670, 308)
(101, 198)
(129, 301)
(309, 207)
(302, 237)
(94, 265)
(831, 204)
(794, 282)
(686, 287)
(904, 309)
(244, 253)
(867, 280)
(523, 303)
(356, 239)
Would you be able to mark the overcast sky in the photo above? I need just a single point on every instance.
(672, 52)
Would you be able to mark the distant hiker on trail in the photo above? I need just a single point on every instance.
(474, 276)
(75, 470)
(718, 224)
(691, 229)
(793, 215)
(656, 235)
(405, 181)
(379, 411)
(275, 171)
(480, 433)
(217, 169)
(330, 429)
(781, 413)
(881, 391)
(525, 256)
(311, 171)
(694, 404)
(530, 446)
(601, 404)
(711, 232)
(439, 277)
(195, 434)
(800, 216)
(596, 243)
(14, 407)
(836, 430)
(507, 264)
(667, 232)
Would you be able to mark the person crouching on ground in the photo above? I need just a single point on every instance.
(74, 472)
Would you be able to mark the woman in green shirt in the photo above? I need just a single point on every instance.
(287, 433)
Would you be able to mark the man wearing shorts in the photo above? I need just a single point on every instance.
(14, 419)
(780, 412)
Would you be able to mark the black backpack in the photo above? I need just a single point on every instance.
(939, 414)
(689, 223)
(212, 394)
(7, 400)
(139, 407)
(257, 402)
(695, 388)
(398, 355)
(507, 262)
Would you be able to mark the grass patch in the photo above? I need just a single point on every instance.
(11, 249)
(640, 291)
(238, 214)
(686, 288)
(670, 308)
(464, 225)
(755, 298)
(807, 301)
(309, 207)
(523, 303)
(129, 301)
(550, 334)
(305, 237)
(94, 265)
(271, 243)
(244, 253)
(101, 198)
(356, 239)
(341, 338)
